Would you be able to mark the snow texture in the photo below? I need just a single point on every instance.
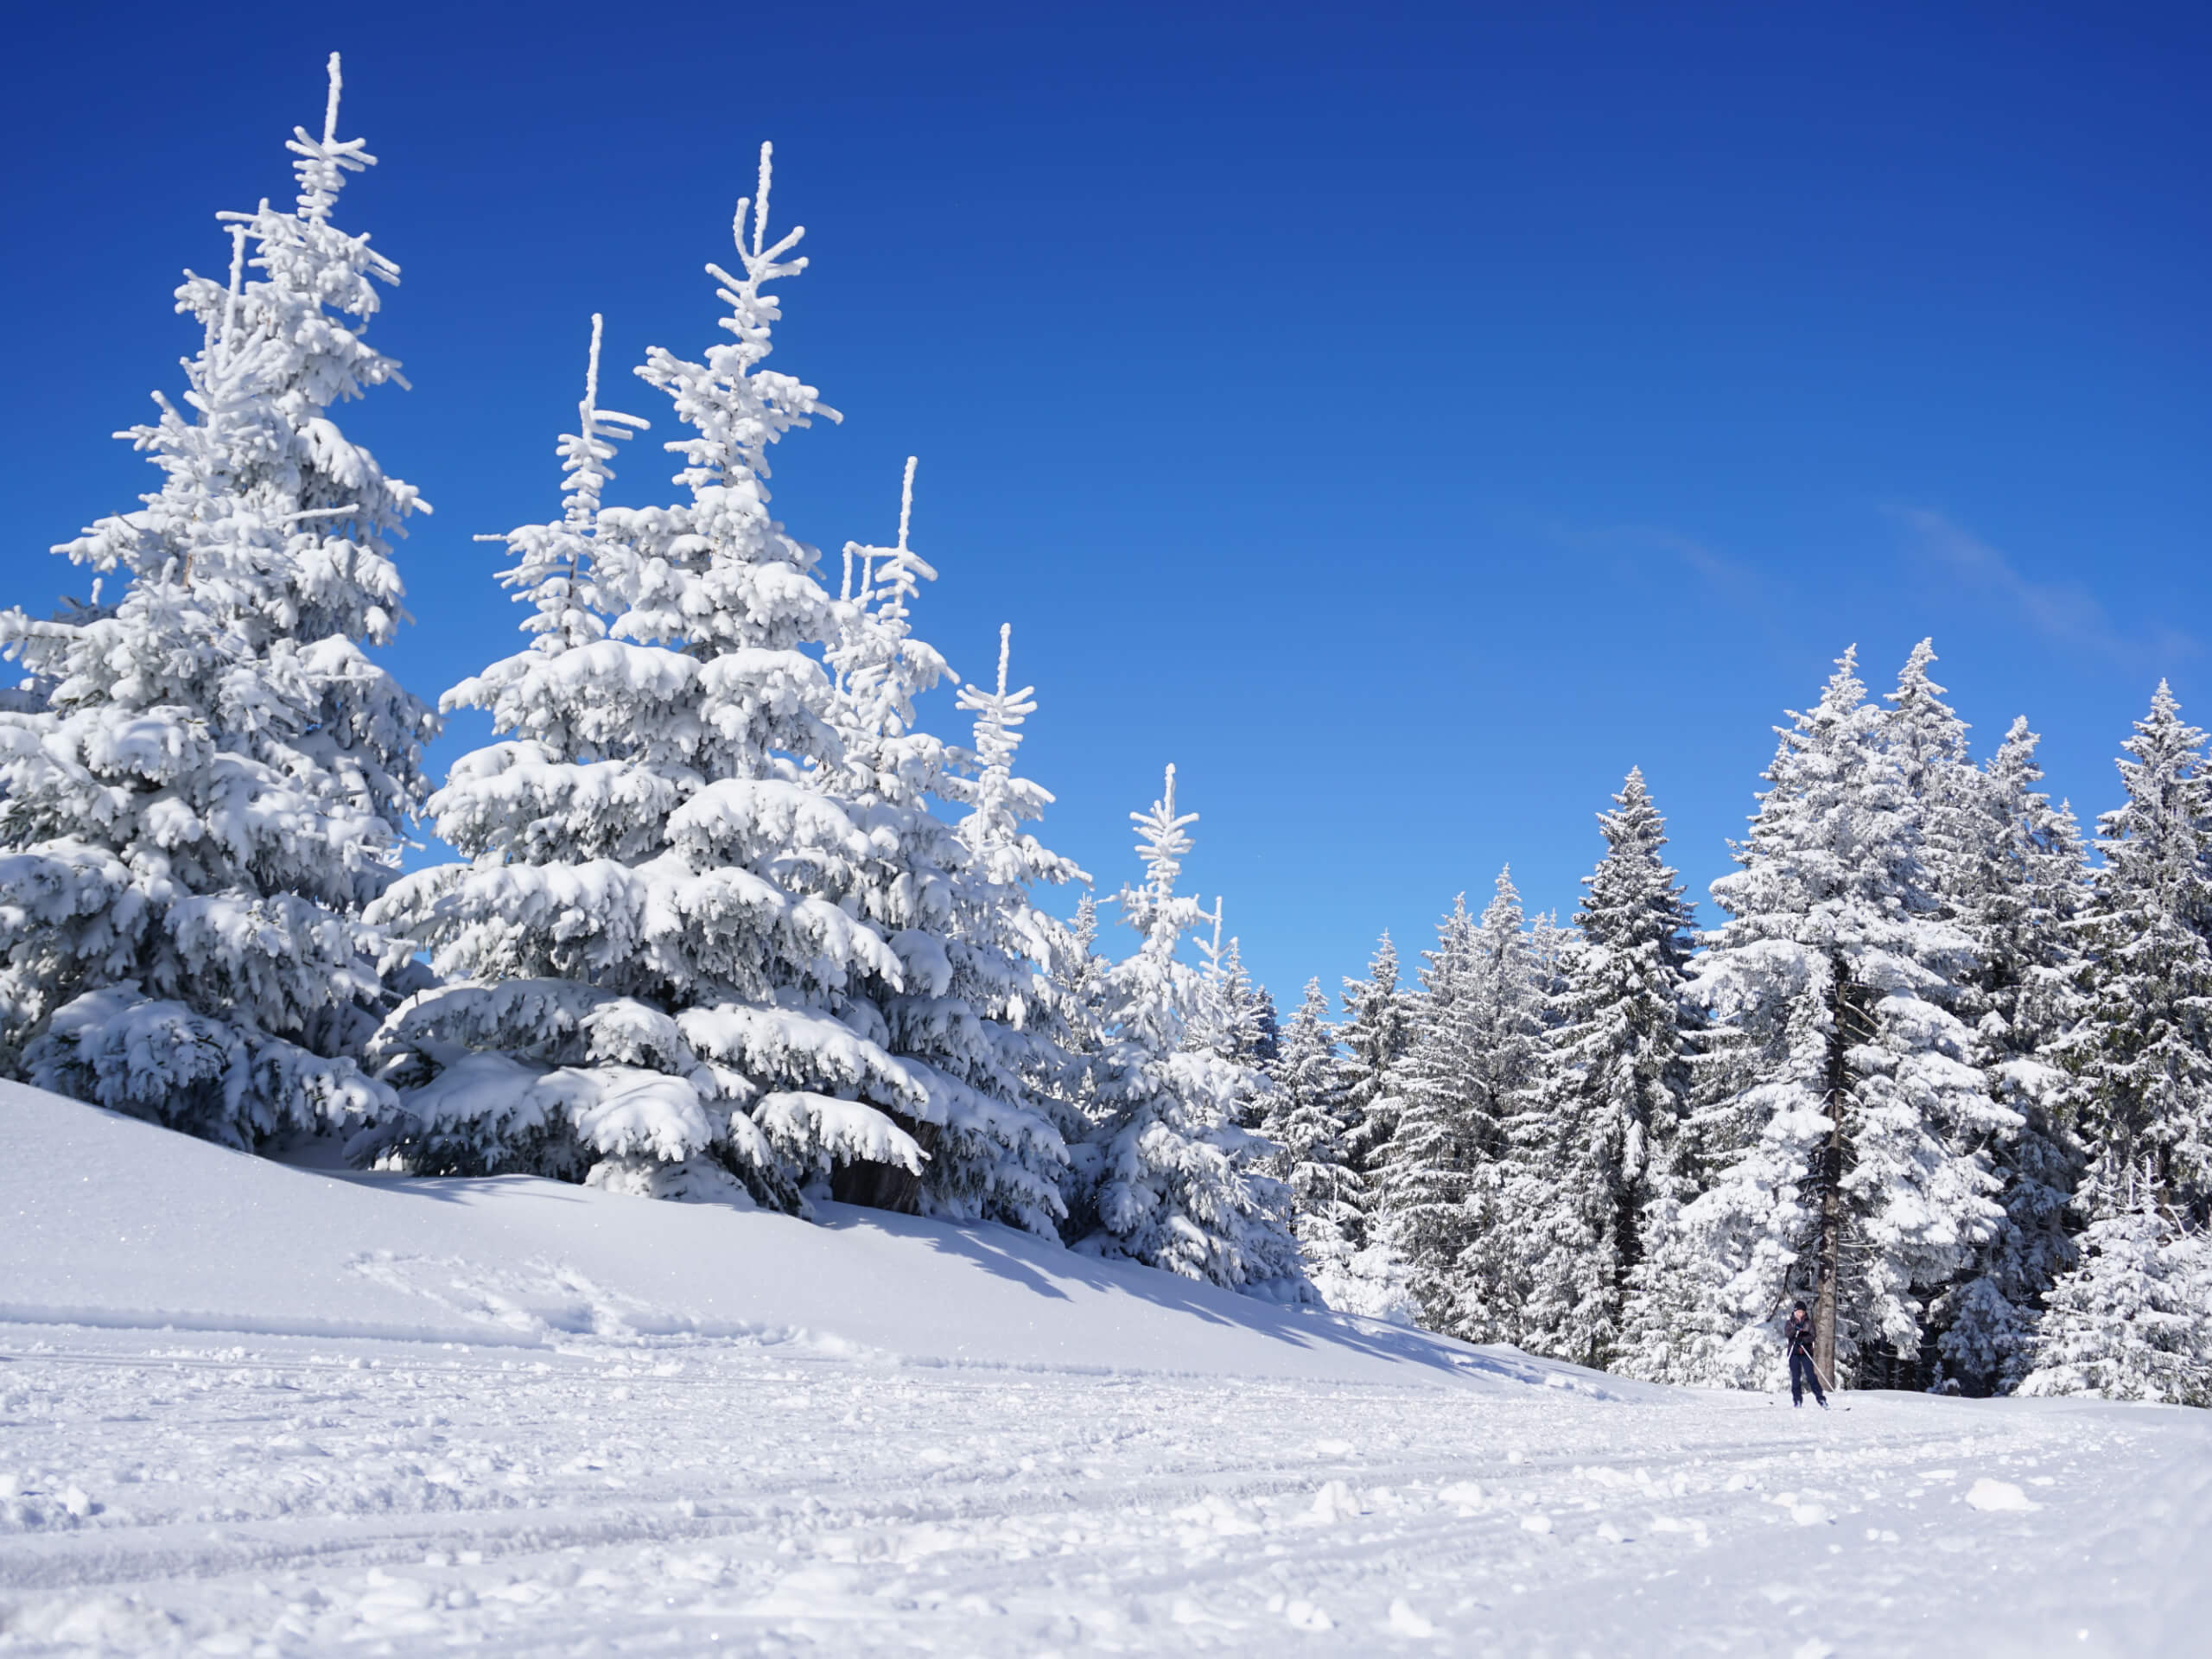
(286, 1411)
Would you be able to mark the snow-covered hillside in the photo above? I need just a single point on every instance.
(248, 1408)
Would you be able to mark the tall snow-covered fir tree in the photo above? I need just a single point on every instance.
(2133, 1319)
(1502, 1015)
(1551, 957)
(1310, 1117)
(957, 909)
(208, 778)
(1307, 1122)
(2022, 892)
(1230, 1023)
(670, 945)
(1613, 1090)
(1512, 986)
(1997, 864)
(1236, 1019)
(1942, 789)
(1377, 1035)
(1447, 1126)
(1006, 1031)
(1077, 985)
(1265, 1025)
(1856, 1174)
(1170, 1180)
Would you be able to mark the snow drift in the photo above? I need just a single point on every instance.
(111, 1222)
(532, 1418)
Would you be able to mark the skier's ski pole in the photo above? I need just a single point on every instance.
(1825, 1383)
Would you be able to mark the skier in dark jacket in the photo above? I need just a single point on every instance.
(1797, 1335)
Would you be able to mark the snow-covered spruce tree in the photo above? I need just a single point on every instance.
(664, 923)
(1170, 1180)
(1512, 986)
(1377, 1034)
(1079, 991)
(999, 1042)
(1329, 1199)
(2132, 1320)
(1077, 985)
(1265, 1025)
(209, 778)
(2001, 866)
(553, 570)
(1551, 955)
(2022, 892)
(1612, 1090)
(1855, 1173)
(957, 909)
(1942, 788)
(1307, 1120)
(466, 1111)
(1229, 1024)
(1446, 1127)
(1505, 1013)
(1237, 1021)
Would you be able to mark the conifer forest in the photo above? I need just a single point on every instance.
(713, 919)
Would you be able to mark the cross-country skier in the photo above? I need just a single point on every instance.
(1804, 1373)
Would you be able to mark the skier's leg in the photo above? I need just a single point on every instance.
(1796, 1379)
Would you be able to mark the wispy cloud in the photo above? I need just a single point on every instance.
(1757, 595)
(2065, 613)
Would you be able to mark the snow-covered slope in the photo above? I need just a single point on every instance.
(398, 1416)
(107, 1221)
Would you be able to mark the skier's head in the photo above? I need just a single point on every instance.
(1798, 1311)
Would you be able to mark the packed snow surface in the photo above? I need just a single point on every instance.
(247, 1408)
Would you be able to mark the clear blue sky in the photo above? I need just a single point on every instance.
(1403, 419)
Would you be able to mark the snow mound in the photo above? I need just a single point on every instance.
(111, 1222)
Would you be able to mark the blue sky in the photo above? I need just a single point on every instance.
(1404, 419)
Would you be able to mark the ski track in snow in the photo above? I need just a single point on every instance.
(159, 1492)
(249, 1408)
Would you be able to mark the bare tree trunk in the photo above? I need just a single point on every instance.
(1831, 1249)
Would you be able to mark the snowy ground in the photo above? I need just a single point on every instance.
(532, 1419)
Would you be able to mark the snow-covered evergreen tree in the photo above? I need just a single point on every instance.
(2131, 1319)
(1447, 1126)
(1502, 1016)
(1077, 987)
(552, 571)
(1266, 1026)
(670, 945)
(1613, 1090)
(208, 778)
(2022, 891)
(1307, 1122)
(1310, 1114)
(1942, 790)
(957, 910)
(1551, 959)
(1010, 1028)
(1377, 1034)
(1856, 1173)
(1512, 987)
(1230, 1023)
(1173, 1182)
(1237, 1022)
(2134, 1321)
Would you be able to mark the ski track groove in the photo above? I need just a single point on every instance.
(1021, 1511)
